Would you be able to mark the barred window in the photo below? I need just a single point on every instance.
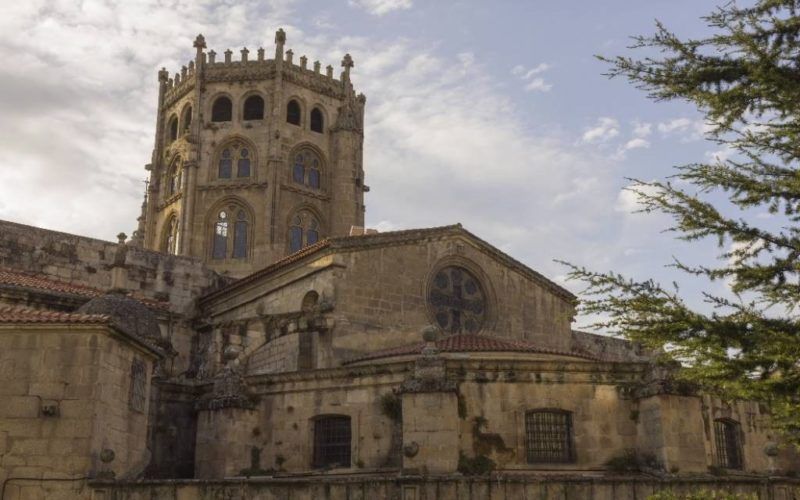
(548, 436)
(136, 397)
(727, 435)
(332, 441)
(254, 108)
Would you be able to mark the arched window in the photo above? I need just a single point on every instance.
(310, 300)
(236, 153)
(186, 119)
(727, 434)
(220, 246)
(173, 128)
(316, 120)
(254, 108)
(171, 236)
(222, 110)
(306, 168)
(293, 112)
(332, 438)
(230, 233)
(303, 231)
(548, 436)
(174, 177)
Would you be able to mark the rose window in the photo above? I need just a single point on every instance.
(457, 300)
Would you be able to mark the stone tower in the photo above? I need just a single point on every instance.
(254, 158)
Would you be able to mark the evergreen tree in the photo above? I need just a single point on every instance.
(745, 78)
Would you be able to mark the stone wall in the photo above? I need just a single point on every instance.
(88, 261)
(501, 487)
(64, 393)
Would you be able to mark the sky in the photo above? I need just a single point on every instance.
(494, 114)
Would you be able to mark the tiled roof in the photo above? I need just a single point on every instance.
(12, 314)
(14, 278)
(470, 343)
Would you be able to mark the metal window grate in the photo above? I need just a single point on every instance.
(136, 397)
(332, 441)
(729, 446)
(549, 436)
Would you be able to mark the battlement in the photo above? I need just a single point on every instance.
(207, 67)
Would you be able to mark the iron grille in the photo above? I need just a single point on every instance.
(729, 446)
(138, 382)
(549, 436)
(332, 441)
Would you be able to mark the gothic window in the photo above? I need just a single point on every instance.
(236, 153)
(457, 301)
(220, 249)
(136, 394)
(174, 177)
(728, 443)
(173, 128)
(548, 436)
(303, 231)
(186, 119)
(332, 438)
(240, 236)
(221, 110)
(306, 168)
(293, 112)
(254, 108)
(171, 236)
(310, 300)
(316, 120)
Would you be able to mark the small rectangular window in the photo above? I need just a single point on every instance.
(136, 396)
(332, 441)
(548, 436)
(728, 444)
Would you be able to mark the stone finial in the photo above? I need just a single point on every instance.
(347, 63)
(191, 67)
(177, 79)
(280, 37)
(228, 56)
(289, 56)
(245, 52)
(212, 57)
(329, 71)
(121, 237)
(200, 43)
(163, 75)
(303, 62)
(184, 71)
(362, 98)
(260, 53)
(316, 67)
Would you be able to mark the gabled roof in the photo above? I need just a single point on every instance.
(390, 238)
(469, 343)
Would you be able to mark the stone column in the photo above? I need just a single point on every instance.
(430, 415)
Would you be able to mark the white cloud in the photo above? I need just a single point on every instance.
(686, 128)
(628, 200)
(642, 129)
(636, 143)
(380, 7)
(605, 130)
(533, 83)
(538, 84)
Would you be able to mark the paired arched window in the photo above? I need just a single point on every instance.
(170, 244)
(230, 233)
(234, 159)
(186, 119)
(222, 110)
(306, 168)
(332, 441)
(727, 436)
(174, 177)
(303, 231)
(173, 128)
(253, 108)
(317, 121)
(293, 112)
(548, 436)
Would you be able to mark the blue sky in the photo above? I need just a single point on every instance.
(492, 114)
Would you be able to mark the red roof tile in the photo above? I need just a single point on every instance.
(12, 314)
(470, 343)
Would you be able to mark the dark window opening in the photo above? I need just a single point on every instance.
(293, 112)
(303, 231)
(243, 165)
(173, 128)
(240, 236)
(332, 442)
(136, 396)
(548, 436)
(307, 169)
(225, 164)
(254, 108)
(316, 120)
(222, 110)
(186, 119)
(727, 435)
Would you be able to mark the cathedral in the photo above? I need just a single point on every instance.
(253, 340)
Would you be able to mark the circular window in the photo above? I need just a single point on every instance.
(457, 300)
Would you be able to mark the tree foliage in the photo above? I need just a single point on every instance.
(745, 79)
